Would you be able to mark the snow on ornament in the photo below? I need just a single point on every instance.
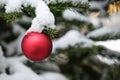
(36, 46)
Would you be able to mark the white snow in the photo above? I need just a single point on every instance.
(95, 21)
(103, 31)
(32, 3)
(107, 60)
(19, 71)
(97, 4)
(35, 26)
(70, 14)
(43, 18)
(71, 38)
(15, 46)
(112, 21)
(53, 76)
(13, 5)
(110, 44)
(63, 1)
(82, 1)
(49, 1)
(2, 61)
(73, 1)
(2, 2)
(111, 25)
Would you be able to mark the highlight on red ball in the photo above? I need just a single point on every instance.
(36, 46)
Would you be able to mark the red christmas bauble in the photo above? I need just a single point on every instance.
(36, 46)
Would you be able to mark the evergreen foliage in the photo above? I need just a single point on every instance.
(75, 62)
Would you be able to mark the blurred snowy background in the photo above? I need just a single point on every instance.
(87, 47)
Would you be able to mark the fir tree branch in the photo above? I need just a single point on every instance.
(9, 17)
(106, 37)
(52, 33)
(29, 11)
(60, 6)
